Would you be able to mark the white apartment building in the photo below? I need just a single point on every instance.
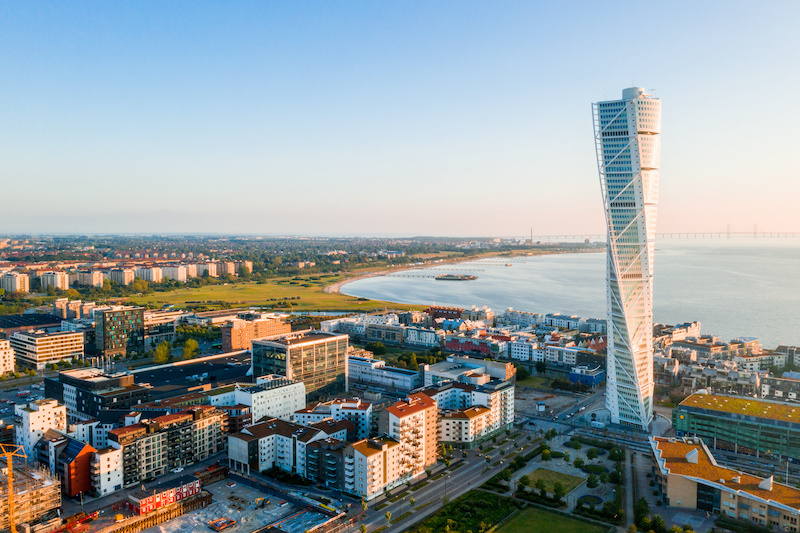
(6, 357)
(151, 274)
(558, 320)
(354, 410)
(525, 349)
(357, 325)
(55, 279)
(424, 337)
(374, 465)
(211, 268)
(563, 355)
(464, 427)
(523, 319)
(36, 349)
(175, 273)
(191, 271)
(227, 267)
(91, 278)
(499, 397)
(272, 396)
(15, 282)
(107, 471)
(122, 276)
(34, 419)
(276, 442)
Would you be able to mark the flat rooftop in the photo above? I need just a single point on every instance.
(29, 320)
(302, 338)
(744, 406)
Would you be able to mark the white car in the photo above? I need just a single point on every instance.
(177, 470)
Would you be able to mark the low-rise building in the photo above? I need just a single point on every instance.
(366, 371)
(465, 427)
(589, 375)
(145, 500)
(271, 397)
(688, 477)
(467, 370)
(779, 388)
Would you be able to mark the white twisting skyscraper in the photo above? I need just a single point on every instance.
(628, 151)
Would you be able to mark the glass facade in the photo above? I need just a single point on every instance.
(120, 331)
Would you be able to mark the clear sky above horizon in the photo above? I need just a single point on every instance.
(396, 118)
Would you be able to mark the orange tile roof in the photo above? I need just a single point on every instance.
(674, 454)
(368, 448)
(416, 403)
(744, 406)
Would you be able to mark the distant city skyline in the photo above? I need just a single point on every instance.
(366, 118)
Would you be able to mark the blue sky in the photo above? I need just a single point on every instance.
(447, 118)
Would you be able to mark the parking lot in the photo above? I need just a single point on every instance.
(10, 397)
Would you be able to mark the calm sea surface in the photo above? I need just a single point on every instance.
(738, 287)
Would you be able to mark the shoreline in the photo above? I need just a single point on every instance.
(335, 288)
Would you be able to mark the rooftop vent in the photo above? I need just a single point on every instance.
(766, 484)
(691, 457)
(737, 479)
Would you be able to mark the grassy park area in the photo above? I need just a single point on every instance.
(539, 382)
(532, 519)
(550, 477)
(299, 293)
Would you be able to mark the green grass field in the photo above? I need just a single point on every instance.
(310, 294)
(540, 382)
(534, 520)
(551, 476)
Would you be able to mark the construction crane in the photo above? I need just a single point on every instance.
(9, 452)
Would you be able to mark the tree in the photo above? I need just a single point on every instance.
(604, 478)
(522, 373)
(525, 481)
(541, 486)
(659, 525)
(592, 453)
(578, 462)
(363, 528)
(388, 516)
(190, 348)
(546, 455)
(161, 354)
(641, 511)
(632, 528)
(592, 481)
(540, 367)
(412, 362)
(412, 501)
(558, 490)
(364, 505)
(567, 457)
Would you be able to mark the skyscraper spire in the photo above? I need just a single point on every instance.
(627, 141)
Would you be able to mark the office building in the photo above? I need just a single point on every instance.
(741, 425)
(317, 359)
(414, 423)
(86, 392)
(688, 477)
(37, 349)
(119, 330)
(628, 153)
(6, 357)
(15, 282)
(238, 334)
(57, 280)
(34, 419)
(369, 373)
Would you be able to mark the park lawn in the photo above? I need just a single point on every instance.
(534, 520)
(309, 298)
(539, 382)
(551, 476)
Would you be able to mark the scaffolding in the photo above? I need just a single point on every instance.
(36, 493)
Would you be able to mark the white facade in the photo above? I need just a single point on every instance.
(122, 276)
(375, 372)
(175, 273)
(151, 274)
(37, 349)
(525, 350)
(465, 426)
(35, 419)
(15, 282)
(424, 337)
(107, 471)
(374, 465)
(6, 357)
(211, 268)
(628, 148)
(91, 278)
(271, 397)
(563, 355)
(57, 280)
(354, 410)
(499, 397)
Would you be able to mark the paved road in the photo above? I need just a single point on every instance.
(474, 473)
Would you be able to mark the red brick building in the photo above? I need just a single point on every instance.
(163, 494)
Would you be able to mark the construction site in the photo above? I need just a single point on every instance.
(29, 495)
